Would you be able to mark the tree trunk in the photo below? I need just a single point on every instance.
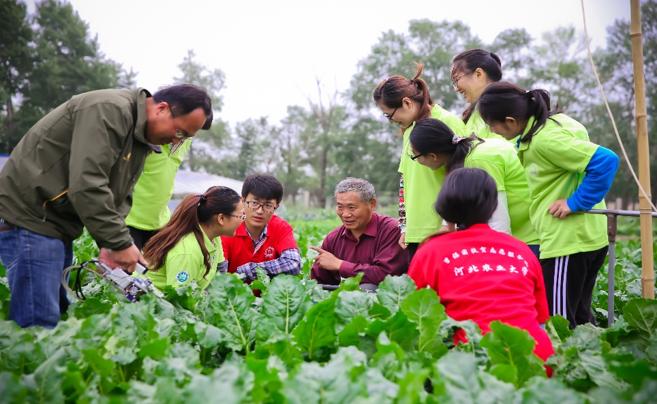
(322, 177)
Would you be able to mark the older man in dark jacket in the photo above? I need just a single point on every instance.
(76, 167)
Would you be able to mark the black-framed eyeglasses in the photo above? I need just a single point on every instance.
(390, 115)
(415, 156)
(266, 206)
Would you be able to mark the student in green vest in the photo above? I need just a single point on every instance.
(150, 198)
(435, 145)
(404, 101)
(567, 175)
(188, 248)
(472, 71)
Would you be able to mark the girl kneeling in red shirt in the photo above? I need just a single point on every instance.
(481, 274)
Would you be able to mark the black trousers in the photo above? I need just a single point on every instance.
(569, 283)
(141, 237)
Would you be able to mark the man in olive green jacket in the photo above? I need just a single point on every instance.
(77, 167)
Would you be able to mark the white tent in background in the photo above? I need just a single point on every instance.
(191, 182)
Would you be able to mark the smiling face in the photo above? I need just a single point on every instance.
(403, 115)
(354, 213)
(162, 127)
(469, 84)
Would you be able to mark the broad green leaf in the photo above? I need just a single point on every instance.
(262, 281)
(389, 358)
(379, 389)
(18, 351)
(208, 336)
(267, 383)
(338, 381)
(156, 348)
(100, 365)
(629, 368)
(92, 305)
(351, 304)
(351, 332)
(73, 383)
(511, 354)
(579, 362)
(641, 314)
(284, 305)
(542, 390)
(647, 393)
(12, 388)
(4, 301)
(411, 387)
(505, 372)
(352, 283)
(398, 328)
(393, 290)
(423, 308)
(460, 381)
(285, 350)
(315, 333)
(558, 328)
(231, 383)
(229, 307)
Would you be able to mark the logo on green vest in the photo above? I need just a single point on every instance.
(182, 276)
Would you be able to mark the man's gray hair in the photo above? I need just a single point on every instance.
(363, 187)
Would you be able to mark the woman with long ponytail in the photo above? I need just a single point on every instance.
(188, 248)
(404, 101)
(435, 145)
(472, 71)
(567, 175)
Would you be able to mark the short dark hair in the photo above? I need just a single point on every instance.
(185, 98)
(468, 196)
(263, 186)
(430, 135)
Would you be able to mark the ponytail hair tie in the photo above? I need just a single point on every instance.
(457, 139)
(202, 199)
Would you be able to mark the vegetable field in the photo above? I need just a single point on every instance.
(298, 343)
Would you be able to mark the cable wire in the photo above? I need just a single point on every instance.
(611, 115)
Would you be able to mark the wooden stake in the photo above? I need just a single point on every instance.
(647, 269)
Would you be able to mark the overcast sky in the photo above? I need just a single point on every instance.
(272, 51)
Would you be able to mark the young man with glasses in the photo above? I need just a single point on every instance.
(263, 240)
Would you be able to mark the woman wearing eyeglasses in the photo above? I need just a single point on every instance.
(435, 145)
(472, 71)
(189, 248)
(404, 101)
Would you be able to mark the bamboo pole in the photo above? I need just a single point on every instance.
(647, 269)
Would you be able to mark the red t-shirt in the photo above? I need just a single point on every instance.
(483, 275)
(239, 249)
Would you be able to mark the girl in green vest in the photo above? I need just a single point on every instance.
(404, 101)
(435, 145)
(567, 175)
(188, 248)
(472, 71)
